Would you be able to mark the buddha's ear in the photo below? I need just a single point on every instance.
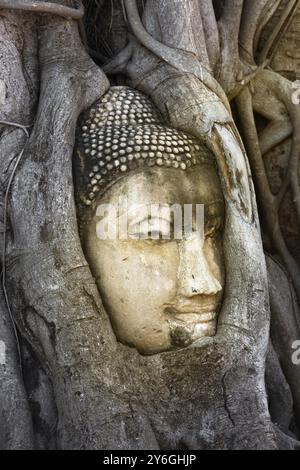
(233, 169)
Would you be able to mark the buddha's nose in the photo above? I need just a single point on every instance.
(194, 274)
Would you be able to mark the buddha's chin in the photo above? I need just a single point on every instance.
(178, 332)
(184, 333)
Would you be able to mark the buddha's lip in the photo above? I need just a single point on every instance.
(192, 316)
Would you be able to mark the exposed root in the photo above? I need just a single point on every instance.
(6, 298)
(181, 60)
(268, 202)
(210, 27)
(275, 133)
(255, 16)
(119, 62)
(282, 89)
(44, 7)
(279, 31)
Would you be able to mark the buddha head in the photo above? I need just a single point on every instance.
(151, 212)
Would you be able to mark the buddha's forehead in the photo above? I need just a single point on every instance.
(199, 185)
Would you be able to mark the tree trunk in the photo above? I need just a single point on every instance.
(90, 391)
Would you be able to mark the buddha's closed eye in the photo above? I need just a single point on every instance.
(152, 228)
(168, 230)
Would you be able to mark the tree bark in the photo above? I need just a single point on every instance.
(105, 395)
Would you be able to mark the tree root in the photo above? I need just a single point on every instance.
(24, 129)
(275, 133)
(229, 27)
(210, 27)
(255, 16)
(278, 32)
(285, 326)
(181, 60)
(16, 430)
(282, 89)
(119, 62)
(44, 7)
(266, 199)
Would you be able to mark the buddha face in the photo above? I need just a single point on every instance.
(161, 293)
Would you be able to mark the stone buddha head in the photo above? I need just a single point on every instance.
(151, 213)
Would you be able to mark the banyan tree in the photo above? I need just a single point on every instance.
(181, 339)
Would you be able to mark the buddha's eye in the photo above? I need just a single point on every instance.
(156, 230)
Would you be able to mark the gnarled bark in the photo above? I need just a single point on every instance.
(107, 395)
